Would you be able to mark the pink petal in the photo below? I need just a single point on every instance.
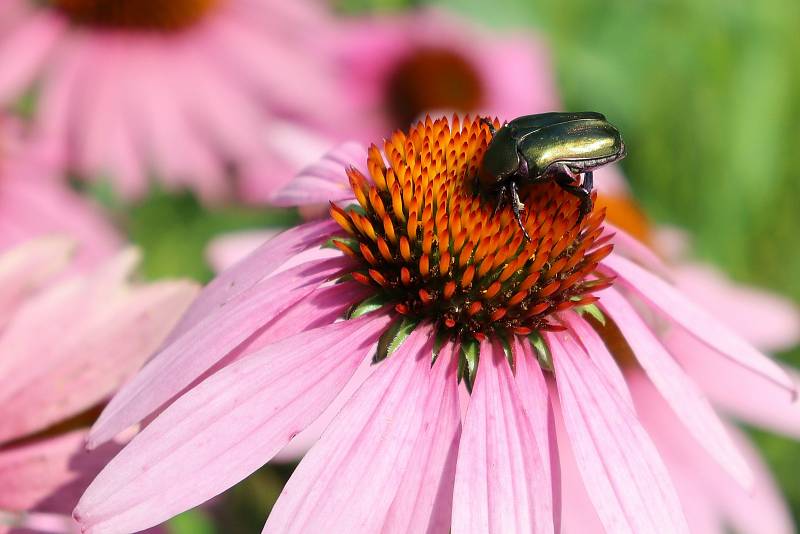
(31, 205)
(758, 509)
(762, 510)
(207, 342)
(688, 403)
(36, 523)
(766, 320)
(251, 270)
(326, 180)
(597, 351)
(348, 481)
(500, 483)
(49, 475)
(26, 268)
(621, 469)
(630, 247)
(425, 498)
(703, 326)
(225, 428)
(305, 440)
(227, 250)
(80, 363)
(535, 397)
(764, 405)
(24, 51)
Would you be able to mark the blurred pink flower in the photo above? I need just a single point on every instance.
(131, 90)
(397, 67)
(34, 202)
(400, 67)
(263, 352)
(67, 342)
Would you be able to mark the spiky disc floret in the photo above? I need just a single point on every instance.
(436, 251)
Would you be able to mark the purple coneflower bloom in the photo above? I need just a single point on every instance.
(488, 356)
(178, 91)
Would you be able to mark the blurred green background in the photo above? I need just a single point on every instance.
(707, 93)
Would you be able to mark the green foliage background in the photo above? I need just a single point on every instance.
(708, 95)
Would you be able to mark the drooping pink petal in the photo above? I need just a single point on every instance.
(621, 469)
(80, 363)
(693, 319)
(424, 499)
(535, 397)
(326, 180)
(26, 268)
(248, 272)
(348, 481)
(226, 427)
(579, 513)
(759, 509)
(773, 410)
(207, 342)
(24, 50)
(630, 247)
(767, 320)
(598, 352)
(32, 205)
(36, 523)
(49, 475)
(500, 483)
(227, 250)
(302, 442)
(683, 396)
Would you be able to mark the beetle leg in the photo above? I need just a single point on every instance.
(566, 181)
(502, 191)
(516, 206)
(588, 182)
(489, 124)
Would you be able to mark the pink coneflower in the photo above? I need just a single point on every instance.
(402, 66)
(482, 344)
(67, 341)
(131, 90)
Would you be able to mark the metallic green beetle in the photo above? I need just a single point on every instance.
(548, 146)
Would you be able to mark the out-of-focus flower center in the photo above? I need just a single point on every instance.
(165, 15)
(438, 252)
(432, 79)
(623, 212)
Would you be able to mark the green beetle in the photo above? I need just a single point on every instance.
(549, 146)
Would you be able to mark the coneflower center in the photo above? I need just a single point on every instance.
(433, 249)
(154, 15)
(432, 78)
